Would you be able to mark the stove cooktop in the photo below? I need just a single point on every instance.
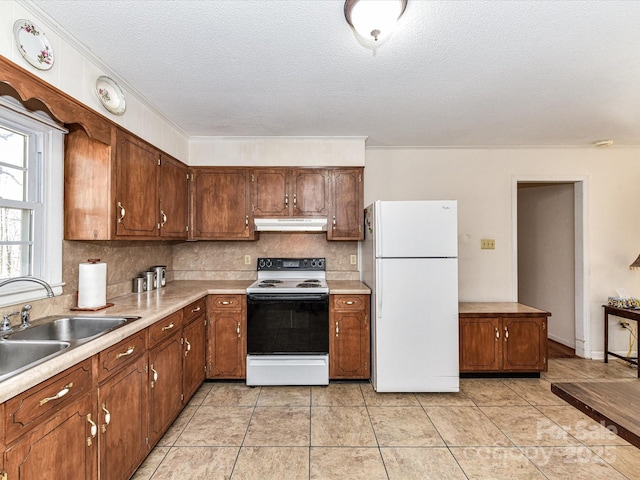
(290, 275)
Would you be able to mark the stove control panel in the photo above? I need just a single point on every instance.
(291, 264)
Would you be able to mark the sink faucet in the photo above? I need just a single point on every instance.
(29, 279)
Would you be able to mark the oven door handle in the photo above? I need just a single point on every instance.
(284, 296)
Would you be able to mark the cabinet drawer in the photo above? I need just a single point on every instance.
(226, 302)
(115, 357)
(195, 309)
(349, 302)
(33, 406)
(165, 328)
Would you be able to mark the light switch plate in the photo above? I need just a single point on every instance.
(247, 259)
(353, 259)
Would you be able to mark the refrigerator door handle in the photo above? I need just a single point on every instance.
(379, 289)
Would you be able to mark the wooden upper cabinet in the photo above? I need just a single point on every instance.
(347, 205)
(121, 190)
(136, 187)
(270, 192)
(299, 192)
(220, 204)
(310, 190)
(174, 198)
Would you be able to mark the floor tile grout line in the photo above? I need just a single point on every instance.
(246, 431)
(375, 435)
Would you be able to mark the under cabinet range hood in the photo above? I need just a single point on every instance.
(291, 224)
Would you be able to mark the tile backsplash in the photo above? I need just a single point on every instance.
(203, 260)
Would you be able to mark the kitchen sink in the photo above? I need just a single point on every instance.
(69, 328)
(17, 356)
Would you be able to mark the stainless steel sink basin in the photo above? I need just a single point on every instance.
(69, 328)
(17, 356)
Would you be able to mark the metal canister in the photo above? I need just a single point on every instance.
(161, 275)
(139, 284)
(151, 280)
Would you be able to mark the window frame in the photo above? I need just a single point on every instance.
(48, 231)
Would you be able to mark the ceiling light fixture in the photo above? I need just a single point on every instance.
(373, 19)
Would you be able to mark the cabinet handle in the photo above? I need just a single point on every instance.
(195, 310)
(334, 222)
(337, 329)
(123, 212)
(107, 417)
(58, 395)
(164, 218)
(497, 333)
(128, 352)
(168, 327)
(295, 201)
(155, 376)
(188, 347)
(94, 430)
(286, 200)
(506, 334)
(350, 302)
(225, 302)
(246, 221)
(238, 329)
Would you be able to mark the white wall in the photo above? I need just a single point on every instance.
(75, 71)
(546, 255)
(482, 179)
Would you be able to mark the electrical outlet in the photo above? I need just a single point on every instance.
(247, 259)
(624, 325)
(487, 244)
(353, 259)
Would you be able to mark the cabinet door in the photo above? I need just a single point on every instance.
(347, 205)
(480, 344)
(165, 387)
(227, 345)
(349, 345)
(220, 201)
(173, 198)
(271, 192)
(122, 414)
(310, 192)
(194, 356)
(64, 446)
(525, 344)
(136, 187)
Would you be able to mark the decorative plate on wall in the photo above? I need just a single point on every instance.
(110, 95)
(33, 44)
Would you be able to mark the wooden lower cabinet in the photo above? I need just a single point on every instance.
(502, 337)
(194, 356)
(62, 446)
(227, 336)
(122, 415)
(165, 392)
(349, 337)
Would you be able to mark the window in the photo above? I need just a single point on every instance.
(31, 202)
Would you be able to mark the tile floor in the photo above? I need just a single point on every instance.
(493, 429)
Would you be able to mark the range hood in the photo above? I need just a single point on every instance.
(291, 224)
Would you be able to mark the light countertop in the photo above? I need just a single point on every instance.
(498, 308)
(151, 307)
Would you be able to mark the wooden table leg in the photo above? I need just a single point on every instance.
(606, 338)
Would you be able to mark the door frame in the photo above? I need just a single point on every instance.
(581, 228)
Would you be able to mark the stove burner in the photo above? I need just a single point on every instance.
(266, 285)
(271, 281)
(311, 281)
(307, 285)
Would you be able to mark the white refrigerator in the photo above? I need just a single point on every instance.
(409, 260)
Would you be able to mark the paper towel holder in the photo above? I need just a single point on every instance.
(91, 309)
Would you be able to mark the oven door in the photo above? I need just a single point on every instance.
(286, 324)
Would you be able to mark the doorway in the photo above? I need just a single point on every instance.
(550, 256)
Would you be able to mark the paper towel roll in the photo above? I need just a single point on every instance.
(92, 285)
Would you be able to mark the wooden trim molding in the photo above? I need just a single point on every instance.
(63, 107)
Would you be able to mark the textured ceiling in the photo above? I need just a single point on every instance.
(454, 73)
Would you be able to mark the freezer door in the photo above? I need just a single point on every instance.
(416, 229)
(415, 326)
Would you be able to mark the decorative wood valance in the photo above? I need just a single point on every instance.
(63, 107)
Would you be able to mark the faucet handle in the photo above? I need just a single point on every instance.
(6, 327)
